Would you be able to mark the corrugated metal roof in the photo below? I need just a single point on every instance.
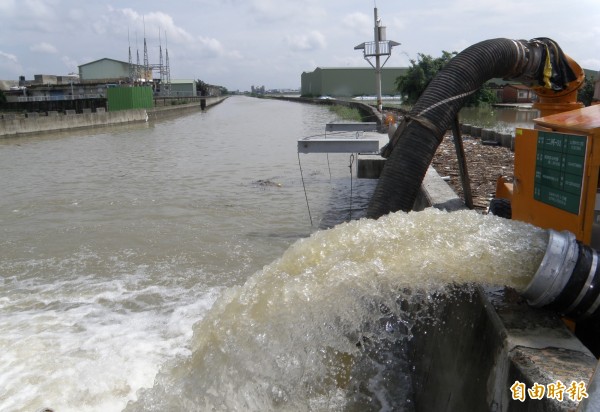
(104, 58)
(182, 81)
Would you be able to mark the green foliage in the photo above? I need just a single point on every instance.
(483, 95)
(419, 74)
(202, 87)
(346, 113)
(585, 94)
(2, 98)
(423, 70)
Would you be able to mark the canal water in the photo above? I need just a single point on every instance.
(173, 266)
(503, 119)
(500, 119)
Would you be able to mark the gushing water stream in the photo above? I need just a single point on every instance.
(322, 327)
(115, 242)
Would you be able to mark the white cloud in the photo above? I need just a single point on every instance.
(8, 6)
(10, 65)
(313, 40)
(70, 63)
(44, 48)
(592, 64)
(161, 25)
(278, 11)
(121, 21)
(8, 57)
(359, 23)
(239, 42)
(44, 9)
(210, 47)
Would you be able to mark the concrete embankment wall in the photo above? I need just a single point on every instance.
(11, 125)
(162, 112)
(32, 123)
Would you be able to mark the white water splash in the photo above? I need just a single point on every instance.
(322, 327)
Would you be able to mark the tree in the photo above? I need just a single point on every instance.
(419, 74)
(2, 97)
(585, 94)
(202, 88)
(424, 69)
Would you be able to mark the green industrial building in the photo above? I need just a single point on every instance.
(349, 81)
(104, 70)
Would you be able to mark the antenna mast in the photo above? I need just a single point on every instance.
(167, 69)
(146, 64)
(160, 60)
(137, 66)
(377, 48)
(131, 69)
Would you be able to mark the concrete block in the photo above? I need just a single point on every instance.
(465, 128)
(52, 114)
(436, 193)
(476, 343)
(70, 112)
(488, 135)
(100, 110)
(86, 111)
(505, 140)
(370, 168)
(32, 115)
(476, 131)
(546, 366)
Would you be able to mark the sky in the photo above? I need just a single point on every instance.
(242, 43)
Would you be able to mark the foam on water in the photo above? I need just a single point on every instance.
(85, 343)
(323, 327)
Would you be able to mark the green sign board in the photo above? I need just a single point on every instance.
(559, 169)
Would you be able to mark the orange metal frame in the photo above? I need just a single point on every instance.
(584, 122)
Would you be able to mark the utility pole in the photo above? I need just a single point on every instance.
(377, 48)
(377, 61)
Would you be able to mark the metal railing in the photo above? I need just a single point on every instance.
(59, 98)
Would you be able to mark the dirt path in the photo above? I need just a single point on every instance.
(484, 163)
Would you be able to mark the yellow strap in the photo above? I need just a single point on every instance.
(547, 70)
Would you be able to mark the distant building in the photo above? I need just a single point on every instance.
(49, 79)
(111, 71)
(104, 70)
(183, 88)
(517, 93)
(349, 81)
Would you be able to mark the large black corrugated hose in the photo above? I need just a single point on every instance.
(433, 114)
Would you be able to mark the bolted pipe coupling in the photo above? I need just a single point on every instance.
(542, 65)
(568, 279)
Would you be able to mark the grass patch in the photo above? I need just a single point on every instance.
(346, 113)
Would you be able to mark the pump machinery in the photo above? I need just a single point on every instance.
(556, 181)
(556, 166)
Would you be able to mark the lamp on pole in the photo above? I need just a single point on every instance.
(377, 48)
